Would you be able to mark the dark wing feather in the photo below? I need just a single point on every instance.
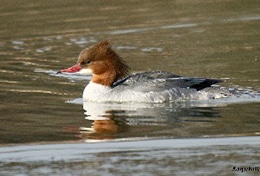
(159, 81)
(203, 83)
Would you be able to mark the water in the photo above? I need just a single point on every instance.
(189, 38)
(156, 157)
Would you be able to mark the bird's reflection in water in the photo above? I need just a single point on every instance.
(128, 120)
(105, 127)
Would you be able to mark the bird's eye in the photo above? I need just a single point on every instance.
(85, 62)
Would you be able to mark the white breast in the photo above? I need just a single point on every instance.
(95, 92)
(100, 93)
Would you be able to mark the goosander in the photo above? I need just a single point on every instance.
(111, 81)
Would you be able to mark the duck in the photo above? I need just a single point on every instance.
(112, 82)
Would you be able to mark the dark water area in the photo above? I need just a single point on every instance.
(190, 38)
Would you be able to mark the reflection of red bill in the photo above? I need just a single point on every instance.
(73, 69)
